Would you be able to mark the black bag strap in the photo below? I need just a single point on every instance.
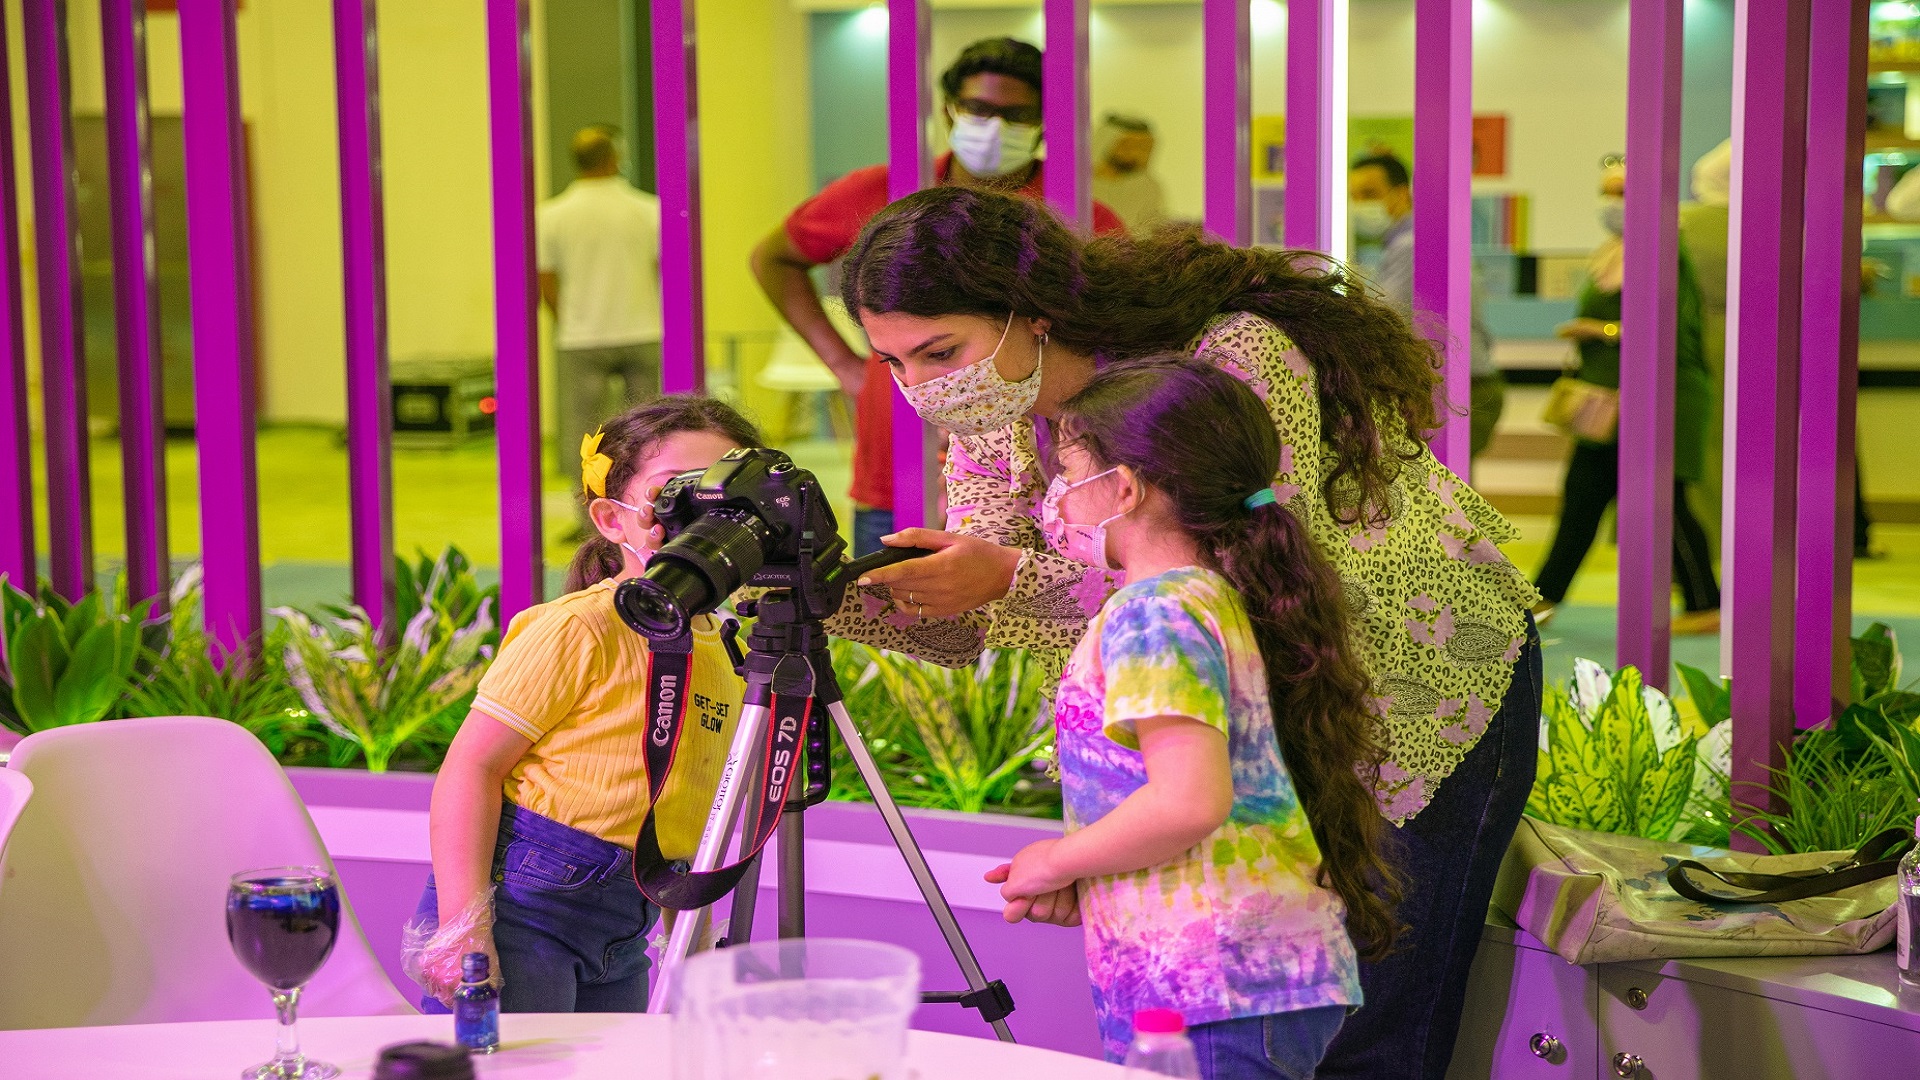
(1877, 858)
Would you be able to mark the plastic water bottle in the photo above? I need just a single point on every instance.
(1160, 1046)
(1907, 915)
(476, 1006)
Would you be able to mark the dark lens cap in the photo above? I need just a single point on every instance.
(423, 1061)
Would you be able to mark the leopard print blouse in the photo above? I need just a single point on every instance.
(1441, 612)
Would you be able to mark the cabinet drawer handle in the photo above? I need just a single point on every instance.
(1544, 1046)
(1627, 1065)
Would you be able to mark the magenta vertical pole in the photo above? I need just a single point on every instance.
(63, 361)
(16, 433)
(136, 306)
(1763, 365)
(1228, 38)
(1443, 208)
(1310, 63)
(363, 264)
(1064, 103)
(676, 139)
(1829, 356)
(219, 261)
(1647, 346)
(516, 360)
(909, 168)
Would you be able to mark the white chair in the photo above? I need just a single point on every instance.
(114, 910)
(794, 370)
(15, 790)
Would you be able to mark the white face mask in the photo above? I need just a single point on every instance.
(975, 400)
(1613, 215)
(1370, 218)
(989, 146)
(1081, 543)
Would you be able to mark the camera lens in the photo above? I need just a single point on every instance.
(694, 573)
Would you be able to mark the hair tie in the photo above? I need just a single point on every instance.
(1263, 497)
(594, 465)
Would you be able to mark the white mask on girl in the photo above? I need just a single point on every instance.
(975, 400)
(1081, 543)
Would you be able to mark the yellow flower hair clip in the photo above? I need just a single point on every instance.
(594, 465)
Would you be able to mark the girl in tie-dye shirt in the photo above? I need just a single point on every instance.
(1223, 848)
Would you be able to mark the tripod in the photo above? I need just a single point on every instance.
(789, 672)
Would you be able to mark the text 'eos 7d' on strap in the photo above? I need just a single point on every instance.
(1877, 858)
(670, 884)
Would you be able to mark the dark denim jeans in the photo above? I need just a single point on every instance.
(1450, 854)
(868, 527)
(569, 923)
(1281, 1046)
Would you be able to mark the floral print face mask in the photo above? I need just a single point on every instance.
(975, 400)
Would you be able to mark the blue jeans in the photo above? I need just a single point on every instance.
(1449, 855)
(868, 527)
(569, 923)
(1280, 1046)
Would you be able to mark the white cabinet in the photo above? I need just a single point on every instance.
(1528, 1016)
(1653, 1027)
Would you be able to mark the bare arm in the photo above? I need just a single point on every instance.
(1188, 795)
(464, 821)
(782, 273)
(550, 290)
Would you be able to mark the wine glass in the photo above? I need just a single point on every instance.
(282, 923)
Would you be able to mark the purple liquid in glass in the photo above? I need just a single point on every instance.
(281, 931)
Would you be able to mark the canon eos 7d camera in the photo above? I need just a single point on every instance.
(752, 518)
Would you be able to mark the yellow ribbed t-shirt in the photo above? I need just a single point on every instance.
(573, 678)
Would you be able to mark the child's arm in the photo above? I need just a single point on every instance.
(1188, 794)
(465, 817)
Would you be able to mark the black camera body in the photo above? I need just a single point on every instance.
(753, 518)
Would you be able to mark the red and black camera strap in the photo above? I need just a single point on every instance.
(670, 883)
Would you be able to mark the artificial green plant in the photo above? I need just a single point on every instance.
(1617, 757)
(71, 663)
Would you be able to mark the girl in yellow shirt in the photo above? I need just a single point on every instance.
(544, 789)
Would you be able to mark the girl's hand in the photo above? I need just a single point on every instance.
(1060, 907)
(965, 573)
(1031, 874)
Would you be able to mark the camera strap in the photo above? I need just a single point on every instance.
(669, 883)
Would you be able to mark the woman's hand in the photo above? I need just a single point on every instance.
(1585, 329)
(964, 573)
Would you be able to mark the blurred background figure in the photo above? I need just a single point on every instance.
(599, 256)
(1593, 472)
(1380, 201)
(1122, 155)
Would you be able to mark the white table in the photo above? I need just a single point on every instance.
(536, 1046)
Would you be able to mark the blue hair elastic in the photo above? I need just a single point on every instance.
(1263, 497)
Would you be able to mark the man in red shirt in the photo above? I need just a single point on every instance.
(992, 105)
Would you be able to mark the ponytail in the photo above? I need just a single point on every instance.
(1318, 690)
(597, 560)
(1143, 415)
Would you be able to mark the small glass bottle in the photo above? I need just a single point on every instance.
(1907, 915)
(476, 1006)
(1161, 1047)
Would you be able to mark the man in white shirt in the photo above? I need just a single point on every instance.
(599, 255)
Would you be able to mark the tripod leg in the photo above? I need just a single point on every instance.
(793, 874)
(722, 821)
(916, 861)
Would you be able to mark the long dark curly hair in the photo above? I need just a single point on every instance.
(1143, 415)
(956, 251)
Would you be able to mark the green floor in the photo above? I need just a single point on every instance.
(449, 496)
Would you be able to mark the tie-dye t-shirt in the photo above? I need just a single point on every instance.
(1236, 927)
